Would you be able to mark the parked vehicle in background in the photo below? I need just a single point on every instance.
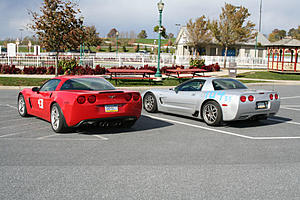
(214, 100)
(72, 101)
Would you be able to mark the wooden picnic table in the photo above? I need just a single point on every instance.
(177, 72)
(145, 74)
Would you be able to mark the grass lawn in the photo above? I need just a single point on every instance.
(14, 81)
(270, 75)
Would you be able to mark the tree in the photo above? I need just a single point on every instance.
(91, 37)
(294, 33)
(142, 34)
(163, 33)
(277, 35)
(170, 35)
(199, 34)
(57, 27)
(232, 27)
(112, 33)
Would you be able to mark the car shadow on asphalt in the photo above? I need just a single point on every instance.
(144, 123)
(257, 123)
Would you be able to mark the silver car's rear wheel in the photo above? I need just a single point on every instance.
(150, 103)
(211, 113)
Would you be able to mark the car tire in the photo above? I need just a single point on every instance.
(22, 109)
(57, 119)
(150, 103)
(212, 113)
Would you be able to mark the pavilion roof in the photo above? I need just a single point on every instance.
(286, 42)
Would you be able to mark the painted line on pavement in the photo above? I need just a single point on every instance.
(287, 108)
(101, 137)
(12, 106)
(227, 132)
(21, 132)
(283, 121)
(290, 97)
(47, 136)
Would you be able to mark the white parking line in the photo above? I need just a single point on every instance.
(283, 121)
(47, 136)
(12, 106)
(101, 137)
(290, 97)
(12, 134)
(287, 108)
(20, 124)
(227, 132)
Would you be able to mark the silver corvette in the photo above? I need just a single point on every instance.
(214, 100)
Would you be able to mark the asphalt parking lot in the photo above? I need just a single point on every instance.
(162, 157)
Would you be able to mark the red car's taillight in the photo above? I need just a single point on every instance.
(243, 98)
(92, 99)
(276, 96)
(128, 97)
(271, 96)
(251, 98)
(136, 97)
(81, 99)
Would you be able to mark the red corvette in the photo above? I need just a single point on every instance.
(71, 101)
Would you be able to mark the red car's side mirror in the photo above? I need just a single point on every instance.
(35, 89)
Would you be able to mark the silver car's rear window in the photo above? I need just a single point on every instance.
(227, 84)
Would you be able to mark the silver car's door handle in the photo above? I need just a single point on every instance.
(193, 94)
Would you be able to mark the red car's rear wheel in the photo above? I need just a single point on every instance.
(58, 123)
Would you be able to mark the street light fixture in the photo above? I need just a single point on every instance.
(160, 6)
(117, 36)
(81, 42)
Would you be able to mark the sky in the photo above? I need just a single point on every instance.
(136, 15)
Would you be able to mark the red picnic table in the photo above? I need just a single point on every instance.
(177, 72)
(145, 74)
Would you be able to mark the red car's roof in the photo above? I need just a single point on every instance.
(77, 76)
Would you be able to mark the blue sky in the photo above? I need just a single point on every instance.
(135, 15)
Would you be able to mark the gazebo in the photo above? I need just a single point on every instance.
(284, 56)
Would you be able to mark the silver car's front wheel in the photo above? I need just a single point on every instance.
(150, 103)
(212, 113)
(57, 119)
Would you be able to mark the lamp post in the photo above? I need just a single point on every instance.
(17, 43)
(160, 6)
(117, 49)
(259, 27)
(81, 42)
(29, 46)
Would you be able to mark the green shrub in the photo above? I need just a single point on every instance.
(197, 62)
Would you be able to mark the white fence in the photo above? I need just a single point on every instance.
(133, 59)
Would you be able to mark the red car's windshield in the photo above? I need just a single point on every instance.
(93, 84)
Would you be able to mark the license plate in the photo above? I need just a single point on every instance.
(111, 108)
(261, 105)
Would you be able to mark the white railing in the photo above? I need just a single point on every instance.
(133, 59)
(242, 62)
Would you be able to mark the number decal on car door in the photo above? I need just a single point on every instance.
(41, 103)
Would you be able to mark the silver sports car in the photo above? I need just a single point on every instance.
(214, 100)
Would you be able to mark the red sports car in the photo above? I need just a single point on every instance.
(71, 101)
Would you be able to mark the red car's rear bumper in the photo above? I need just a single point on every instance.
(78, 114)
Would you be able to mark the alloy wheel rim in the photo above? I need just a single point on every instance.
(210, 113)
(149, 102)
(55, 118)
(21, 106)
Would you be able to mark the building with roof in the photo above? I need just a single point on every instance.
(284, 55)
(246, 49)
